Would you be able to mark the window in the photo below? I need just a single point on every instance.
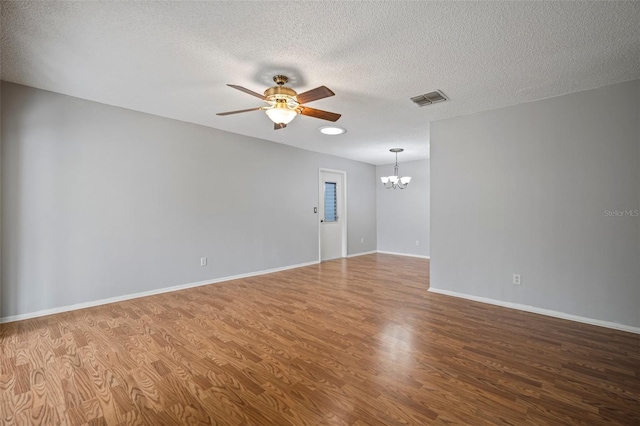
(330, 202)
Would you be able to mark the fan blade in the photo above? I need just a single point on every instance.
(245, 90)
(278, 126)
(314, 94)
(239, 111)
(318, 113)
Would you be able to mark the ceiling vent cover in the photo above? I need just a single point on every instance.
(429, 98)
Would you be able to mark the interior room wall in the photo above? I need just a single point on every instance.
(403, 215)
(0, 190)
(549, 190)
(100, 202)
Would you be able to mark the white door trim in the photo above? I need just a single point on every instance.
(344, 204)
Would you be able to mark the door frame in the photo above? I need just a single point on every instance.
(343, 223)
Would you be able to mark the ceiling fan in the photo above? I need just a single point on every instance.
(283, 103)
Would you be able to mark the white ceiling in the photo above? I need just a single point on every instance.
(173, 59)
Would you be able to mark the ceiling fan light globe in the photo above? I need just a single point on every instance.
(280, 115)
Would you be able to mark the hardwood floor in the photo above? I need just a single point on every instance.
(346, 342)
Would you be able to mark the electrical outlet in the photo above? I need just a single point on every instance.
(361, 240)
(417, 242)
(203, 261)
(517, 279)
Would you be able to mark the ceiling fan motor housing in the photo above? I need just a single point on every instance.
(282, 97)
(279, 92)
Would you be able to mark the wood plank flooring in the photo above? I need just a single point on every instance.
(357, 341)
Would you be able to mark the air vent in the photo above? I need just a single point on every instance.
(429, 98)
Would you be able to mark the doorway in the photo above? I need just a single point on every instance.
(333, 214)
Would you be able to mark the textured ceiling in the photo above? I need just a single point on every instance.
(173, 59)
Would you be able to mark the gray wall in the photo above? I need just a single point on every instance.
(99, 202)
(525, 189)
(403, 215)
(0, 186)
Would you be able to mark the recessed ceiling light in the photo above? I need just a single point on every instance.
(332, 131)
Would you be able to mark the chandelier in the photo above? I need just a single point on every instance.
(395, 181)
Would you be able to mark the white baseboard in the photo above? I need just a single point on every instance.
(541, 311)
(403, 254)
(362, 254)
(99, 302)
